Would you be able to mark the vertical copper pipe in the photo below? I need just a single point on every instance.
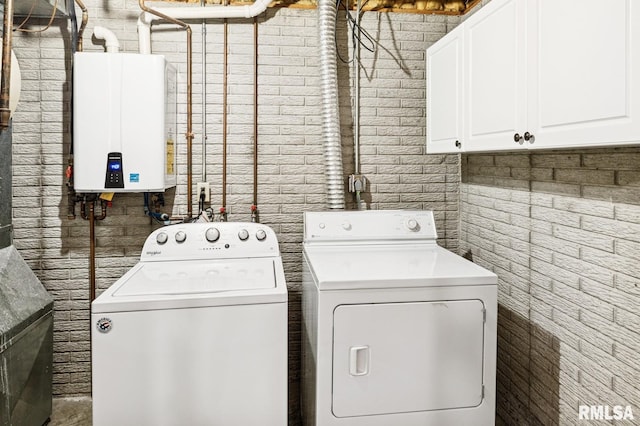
(204, 96)
(92, 251)
(85, 19)
(225, 53)
(5, 78)
(189, 134)
(255, 112)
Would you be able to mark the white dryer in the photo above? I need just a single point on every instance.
(397, 330)
(196, 333)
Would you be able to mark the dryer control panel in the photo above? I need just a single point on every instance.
(369, 225)
(213, 240)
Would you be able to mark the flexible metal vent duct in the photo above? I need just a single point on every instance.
(327, 13)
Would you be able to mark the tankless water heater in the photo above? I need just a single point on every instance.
(124, 122)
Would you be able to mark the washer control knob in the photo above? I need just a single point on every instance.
(243, 234)
(162, 238)
(261, 234)
(346, 226)
(181, 236)
(212, 235)
(412, 224)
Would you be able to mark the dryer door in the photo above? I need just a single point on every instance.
(406, 357)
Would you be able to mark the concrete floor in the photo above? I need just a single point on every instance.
(71, 412)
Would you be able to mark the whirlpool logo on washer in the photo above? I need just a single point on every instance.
(104, 325)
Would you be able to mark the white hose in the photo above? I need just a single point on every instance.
(201, 12)
(327, 13)
(110, 39)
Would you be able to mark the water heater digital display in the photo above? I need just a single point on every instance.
(125, 115)
(114, 177)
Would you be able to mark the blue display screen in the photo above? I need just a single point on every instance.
(114, 166)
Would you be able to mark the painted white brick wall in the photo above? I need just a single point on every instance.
(291, 178)
(566, 251)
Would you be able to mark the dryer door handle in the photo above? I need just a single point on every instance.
(359, 360)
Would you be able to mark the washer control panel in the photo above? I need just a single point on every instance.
(369, 225)
(213, 240)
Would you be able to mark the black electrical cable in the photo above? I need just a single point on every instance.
(358, 34)
(72, 196)
(71, 7)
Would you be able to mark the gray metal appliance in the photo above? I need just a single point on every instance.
(26, 344)
(26, 323)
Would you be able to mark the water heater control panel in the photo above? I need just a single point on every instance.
(114, 177)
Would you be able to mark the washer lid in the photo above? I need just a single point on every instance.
(188, 277)
(389, 266)
(195, 283)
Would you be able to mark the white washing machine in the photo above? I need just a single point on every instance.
(397, 330)
(196, 333)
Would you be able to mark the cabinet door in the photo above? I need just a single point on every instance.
(444, 94)
(494, 81)
(584, 72)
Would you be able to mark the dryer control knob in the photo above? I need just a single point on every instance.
(162, 238)
(346, 226)
(243, 234)
(412, 224)
(181, 236)
(261, 234)
(212, 235)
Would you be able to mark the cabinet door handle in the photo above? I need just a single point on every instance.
(517, 137)
(458, 144)
(528, 136)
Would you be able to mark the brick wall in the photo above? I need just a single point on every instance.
(291, 163)
(561, 229)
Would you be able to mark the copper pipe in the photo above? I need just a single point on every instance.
(71, 193)
(91, 217)
(5, 78)
(224, 112)
(85, 19)
(189, 134)
(92, 251)
(204, 95)
(103, 210)
(255, 112)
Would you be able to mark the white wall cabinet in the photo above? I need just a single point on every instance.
(543, 74)
(494, 80)
(583, 72)
(444, 94)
